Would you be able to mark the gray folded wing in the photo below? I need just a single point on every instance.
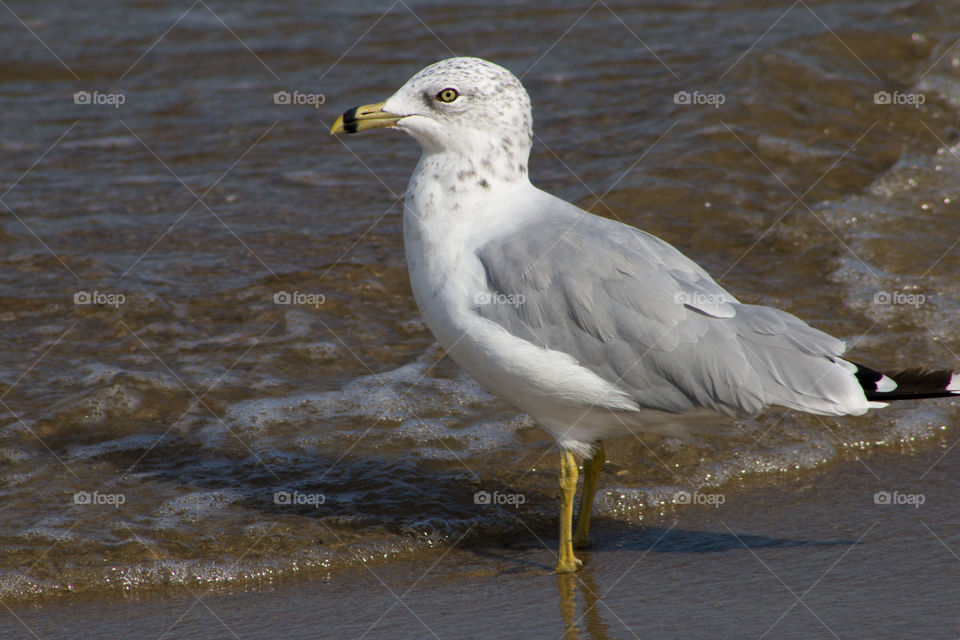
(637, 312)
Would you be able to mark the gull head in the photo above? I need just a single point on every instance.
(472, 111)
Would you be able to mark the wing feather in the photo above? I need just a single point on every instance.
(637, 312)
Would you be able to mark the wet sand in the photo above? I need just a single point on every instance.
(813, 557)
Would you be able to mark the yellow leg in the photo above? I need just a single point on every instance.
(568, 489)
(591, 473)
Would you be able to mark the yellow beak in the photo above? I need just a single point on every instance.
(369, 116)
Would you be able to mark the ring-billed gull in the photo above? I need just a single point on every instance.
(592, 327)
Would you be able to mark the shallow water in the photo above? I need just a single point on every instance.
(815, 559)
(146, 438)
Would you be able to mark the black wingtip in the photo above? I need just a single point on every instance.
(868, 379)
(911, 384)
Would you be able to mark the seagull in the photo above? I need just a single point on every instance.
(594, 328)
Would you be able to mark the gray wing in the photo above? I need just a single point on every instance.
(637, 312)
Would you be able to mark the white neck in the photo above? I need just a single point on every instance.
(451, 207)
(447, 182)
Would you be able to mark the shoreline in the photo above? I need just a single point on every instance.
(820, 551)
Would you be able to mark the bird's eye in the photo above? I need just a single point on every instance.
(447, 95)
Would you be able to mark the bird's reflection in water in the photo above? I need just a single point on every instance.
(590, 619)
(588, 623)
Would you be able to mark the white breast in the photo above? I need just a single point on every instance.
(446, 277)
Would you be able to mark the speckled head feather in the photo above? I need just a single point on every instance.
(471, 108)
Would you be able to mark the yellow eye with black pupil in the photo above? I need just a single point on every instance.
(448, 95)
